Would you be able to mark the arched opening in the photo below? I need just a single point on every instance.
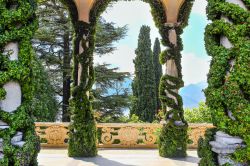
(227, 42)
(122, 60)
(195, 63)
(170, 17)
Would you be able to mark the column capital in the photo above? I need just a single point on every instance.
(172, 8)
(83, 8)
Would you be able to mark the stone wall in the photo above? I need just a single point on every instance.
(116, 135)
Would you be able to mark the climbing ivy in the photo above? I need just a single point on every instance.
(17, 24)
(173, 138)
(208, 157)
(82, 140)
(228, 92)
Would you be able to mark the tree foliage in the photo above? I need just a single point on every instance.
(157, 69)
(201, 114)
(44, 100)
(107, 33)
(52, 43)
(111, 97)
(144, 86)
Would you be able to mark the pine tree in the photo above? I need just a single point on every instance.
(111, 97)
(144, 103)
(157, 69)
(52, 43)
(53, 46)
(44, 100)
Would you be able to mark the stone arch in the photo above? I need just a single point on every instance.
(21, 148)
(170, 17)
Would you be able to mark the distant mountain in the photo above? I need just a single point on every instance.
(193, 94)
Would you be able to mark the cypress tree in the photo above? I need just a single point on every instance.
(157, 69)
(144, 103)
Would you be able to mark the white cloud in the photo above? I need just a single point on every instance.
(122, 58)
(194, 69)
(199, 7)
(124, 12)
(135, 14)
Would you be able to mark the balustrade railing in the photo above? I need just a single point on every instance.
(115, 135)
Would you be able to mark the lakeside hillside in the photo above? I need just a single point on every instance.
(191, 94)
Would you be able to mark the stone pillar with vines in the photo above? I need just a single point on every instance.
(19, 144)
(82, 136)
(82, 129)
(173, 138)
(170, 22)
(227, 42)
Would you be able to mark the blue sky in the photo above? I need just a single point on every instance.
(134, 14)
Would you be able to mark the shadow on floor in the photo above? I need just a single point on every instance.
(101, 161)
(189, 159)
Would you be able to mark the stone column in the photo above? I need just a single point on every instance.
(174, 133)
(83, 8)
(82, 137)
(13, 90)
(172, 8)
(224, 144)
(18, 142)
(12, 98)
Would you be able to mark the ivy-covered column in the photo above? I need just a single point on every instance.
(82, 136)
(19, 144)
(173, 138)
(227, 42)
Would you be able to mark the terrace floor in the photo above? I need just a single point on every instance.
(115, 157)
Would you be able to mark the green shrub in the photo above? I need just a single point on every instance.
(208, 157)
(201, 114)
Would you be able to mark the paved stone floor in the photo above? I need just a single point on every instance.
(115, 157)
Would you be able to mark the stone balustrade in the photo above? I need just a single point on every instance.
(115, 135)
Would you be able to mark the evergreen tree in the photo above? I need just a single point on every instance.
(52, 43)
(144, 102)
(157, 69)
(111, 96)
(44, 101)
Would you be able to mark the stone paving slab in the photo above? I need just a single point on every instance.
(115, 157)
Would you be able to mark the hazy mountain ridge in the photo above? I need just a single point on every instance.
(191, 94)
